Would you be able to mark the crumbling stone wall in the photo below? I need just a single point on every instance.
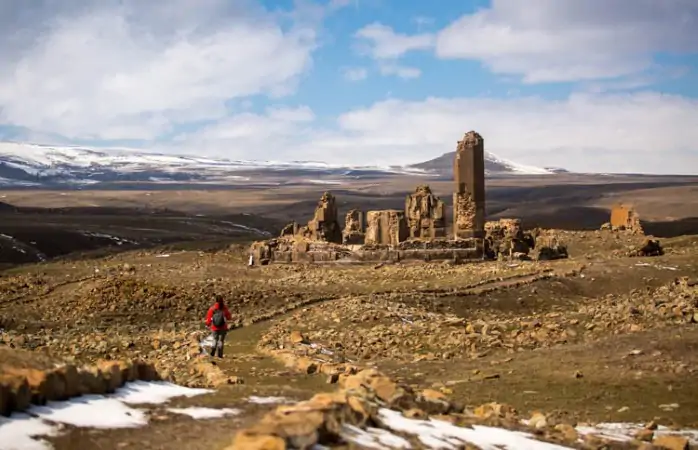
(324, 225)
(425, 214)
(625, 218)
(550, 246)
(506, 238)
(353, 233)
(387, 227)
(469, 196)
(290, 230)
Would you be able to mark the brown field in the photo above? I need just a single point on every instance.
(597, 337)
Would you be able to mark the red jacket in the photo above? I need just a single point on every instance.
(209, 318)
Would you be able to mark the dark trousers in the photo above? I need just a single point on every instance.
(218, 341)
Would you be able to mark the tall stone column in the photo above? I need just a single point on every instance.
(469, 197)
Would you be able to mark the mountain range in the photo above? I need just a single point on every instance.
(31, 165)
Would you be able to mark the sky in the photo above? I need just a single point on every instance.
(587, 85)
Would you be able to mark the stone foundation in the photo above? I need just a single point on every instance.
(286, 251)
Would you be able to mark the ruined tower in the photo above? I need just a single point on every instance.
(469, 197)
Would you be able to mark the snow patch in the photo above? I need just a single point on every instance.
(116, 239)
(624, 432)
(246, 228)
(374, 438)
(155, 392)
(22, 432)
(266, 400)
(91, 411)
(325, 182)
(518, 168)
(200, 413)
(437, 434)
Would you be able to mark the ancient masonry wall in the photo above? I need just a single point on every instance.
(387, 227)
(469, 196)
(625, 218)
(425, 214)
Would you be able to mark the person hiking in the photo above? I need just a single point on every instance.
(216, 319)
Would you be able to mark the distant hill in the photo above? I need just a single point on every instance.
(443, 165)
(31, 165)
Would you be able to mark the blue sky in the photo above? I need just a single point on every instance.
(589, 85)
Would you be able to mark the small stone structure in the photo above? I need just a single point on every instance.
(469, 197)
(625, 218)
(387, 227)
(550, 247)
(505, 238)
(353, 233)
(425, 214)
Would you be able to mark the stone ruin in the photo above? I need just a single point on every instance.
(506, 239)
(469, 178)
(624, 218)
(353, 233)
(386, 227)
(418, 232)
(651, 247)
(426, 214)
(324, 226)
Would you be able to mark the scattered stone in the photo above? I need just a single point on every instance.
(671, 442)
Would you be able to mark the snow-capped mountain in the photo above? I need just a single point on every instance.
(38, 165)
(494, 165)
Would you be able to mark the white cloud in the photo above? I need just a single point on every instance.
(381, 42)
(569, 40)
(422, 21)
(355, 73)
(251, 136)
(130, 69)
(641, 132)
(403, 72)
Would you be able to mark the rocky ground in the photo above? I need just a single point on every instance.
(598, 337)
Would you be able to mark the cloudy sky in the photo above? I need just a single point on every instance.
(589, 85)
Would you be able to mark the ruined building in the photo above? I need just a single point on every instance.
(353, 233)
(625, 218)
(324, 225)
(417, 232)
(469, 197)
(387, 227)
(506, 238)
(425, 214)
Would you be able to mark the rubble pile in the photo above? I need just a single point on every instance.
(19, 285)
(382, 327)
(360, 329)
(371, 410)
(550, 246)
(651, 247)
(363, 401)
(506, 239)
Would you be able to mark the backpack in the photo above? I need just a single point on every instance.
(218, 319)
